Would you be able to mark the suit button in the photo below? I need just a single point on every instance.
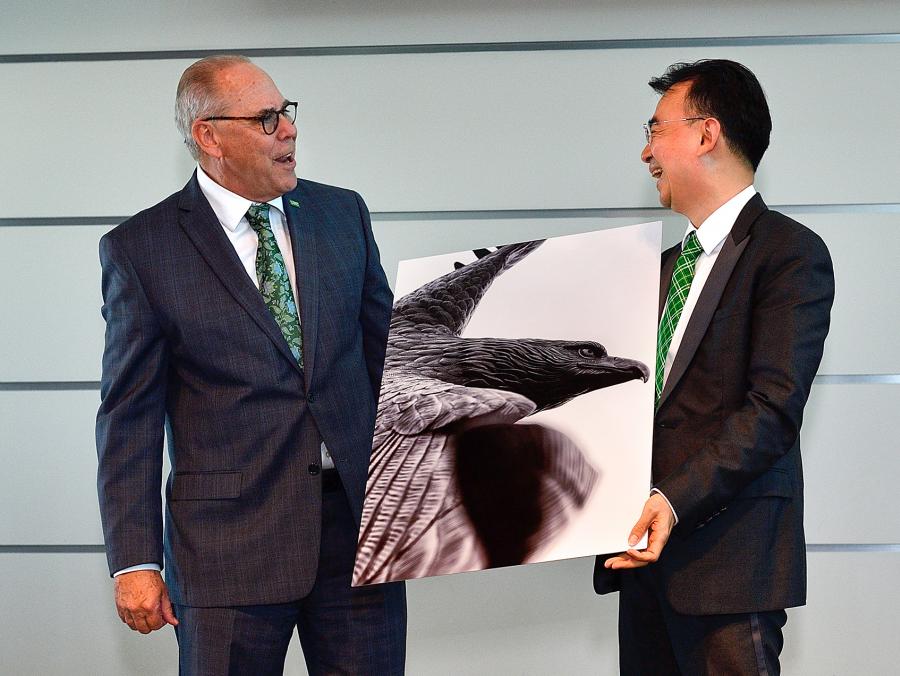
(310, 398)
(314, 469)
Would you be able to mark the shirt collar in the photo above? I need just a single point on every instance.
(719, 223)
(229, 207)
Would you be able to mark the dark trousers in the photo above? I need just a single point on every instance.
(654, 639)
(342, 630)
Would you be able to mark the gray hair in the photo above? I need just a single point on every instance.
(197, 95)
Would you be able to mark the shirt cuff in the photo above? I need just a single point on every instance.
(140, 566)
(663, 495)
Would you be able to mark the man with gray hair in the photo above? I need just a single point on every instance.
(247, 315)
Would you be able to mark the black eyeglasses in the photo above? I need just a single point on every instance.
(268, 120)
(648, 128)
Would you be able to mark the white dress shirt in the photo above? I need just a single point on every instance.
(231, 210)
(711, 234)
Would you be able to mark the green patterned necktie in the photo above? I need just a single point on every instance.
(682, 277)
(274, 283)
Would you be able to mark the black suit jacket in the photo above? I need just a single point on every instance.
(726, 448)
(191, 344)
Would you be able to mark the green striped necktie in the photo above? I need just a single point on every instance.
(274, 283)
(682, 277)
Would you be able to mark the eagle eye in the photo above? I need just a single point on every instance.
(591, 351)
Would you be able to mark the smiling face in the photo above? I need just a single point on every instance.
(238, 154)
(672, 151)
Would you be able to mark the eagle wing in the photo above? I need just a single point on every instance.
(448, 302)
(515, 488)
(411, 468)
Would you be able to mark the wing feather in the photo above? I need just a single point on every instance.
(411, 468)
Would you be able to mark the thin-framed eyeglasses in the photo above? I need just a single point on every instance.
(648, 126)
(269, 119)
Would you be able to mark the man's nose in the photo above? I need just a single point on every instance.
(286, 129)
(646, 154)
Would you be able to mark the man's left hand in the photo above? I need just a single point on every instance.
(658, 518)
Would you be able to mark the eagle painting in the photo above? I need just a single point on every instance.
(454, 483)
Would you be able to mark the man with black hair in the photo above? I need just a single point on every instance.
(745, 302)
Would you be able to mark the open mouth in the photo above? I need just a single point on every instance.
(656, 173)
(286, 159)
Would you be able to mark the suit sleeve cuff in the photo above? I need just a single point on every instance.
(140, 566)
(663, 496)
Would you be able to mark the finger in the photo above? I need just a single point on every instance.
(638, 532)
(156, 621)
(129, 620)
(643, 555)
(623, 560)
(640, 527)
(151, 616)
(168, 613)
(141, 624)
(625, 563)
(659, 536)
(611, 561)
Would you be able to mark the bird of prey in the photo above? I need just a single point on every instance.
(438, 385)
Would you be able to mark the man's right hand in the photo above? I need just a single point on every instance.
(142, 600)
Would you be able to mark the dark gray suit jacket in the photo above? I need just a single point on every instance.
(191, 345)
(726, 447)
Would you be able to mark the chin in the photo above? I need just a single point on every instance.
(288, 184)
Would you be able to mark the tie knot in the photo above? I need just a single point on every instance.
(692, 246)
(258, 216)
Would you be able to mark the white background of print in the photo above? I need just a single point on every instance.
(600, 286)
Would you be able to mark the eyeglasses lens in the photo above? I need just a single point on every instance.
(270, 121)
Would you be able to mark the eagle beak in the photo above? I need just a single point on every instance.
(630, 367)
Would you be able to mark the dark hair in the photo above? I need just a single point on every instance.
(729, 92)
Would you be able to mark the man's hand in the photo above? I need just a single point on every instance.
(142, 600)
(659, 519)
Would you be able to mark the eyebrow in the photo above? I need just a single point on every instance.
(651, 121)
(266, 111)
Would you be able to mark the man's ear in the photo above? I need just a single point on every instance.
(711, 135)
(206, 138)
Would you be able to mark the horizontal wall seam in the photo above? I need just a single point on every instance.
(466, 47)
(853, 548)
(52, 549)
(50, 385)
(87, 385)
(499, 214)
(854, 379)
(99, 549)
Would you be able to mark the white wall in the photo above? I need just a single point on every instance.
(446, 144)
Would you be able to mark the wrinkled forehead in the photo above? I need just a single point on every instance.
(249, 87)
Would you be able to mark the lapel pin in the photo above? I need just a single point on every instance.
(294, 203)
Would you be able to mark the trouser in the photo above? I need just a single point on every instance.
(342, 630)
(654, 639)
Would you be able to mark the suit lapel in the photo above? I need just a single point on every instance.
(304, 220)
(201, 225)
(734, 246)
